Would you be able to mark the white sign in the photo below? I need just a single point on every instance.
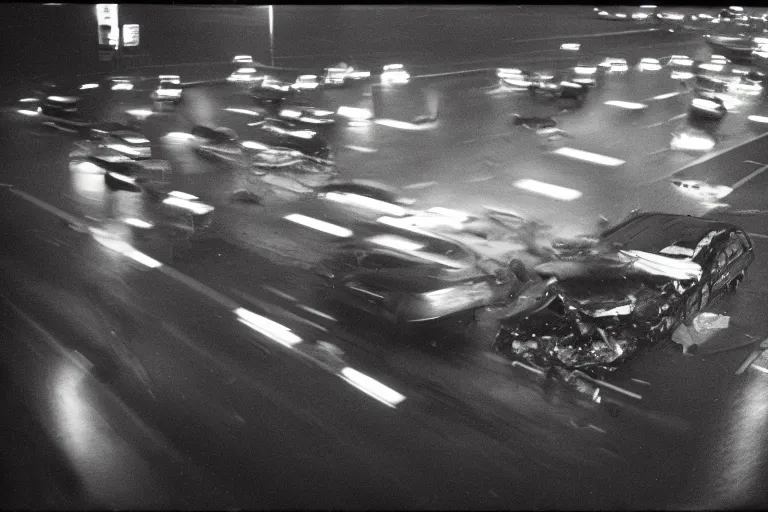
(130, 35)
(106, 16)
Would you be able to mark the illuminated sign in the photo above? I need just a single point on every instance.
(130, 35)
(109, 32)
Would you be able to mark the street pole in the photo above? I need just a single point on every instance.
(271, 36)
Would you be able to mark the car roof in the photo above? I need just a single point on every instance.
(652, 232)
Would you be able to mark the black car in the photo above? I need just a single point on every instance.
(558, 86)
(643, 278)
(285, 134)
(708, 107)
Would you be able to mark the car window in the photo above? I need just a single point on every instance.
(743, 240)
(721, 261)
(383, 261)
(734, 250)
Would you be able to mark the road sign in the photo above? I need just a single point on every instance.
(106, 15)
(130, 35)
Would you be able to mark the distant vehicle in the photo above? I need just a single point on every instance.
(309, 115)
(513, 77)
(285, 134)
(711, 108)
(394, 74)
(644, 277)
(342, 74)
(242, 59)
(586, 72)
(271, 92)
(306, 82)
(168, 90)
(557, 85)
(649, 64)
(407, 277)
(245, 75)
(645, 14)
(615, 65)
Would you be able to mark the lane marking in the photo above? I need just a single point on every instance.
(613, 387)
(362, 149)
(280, 293)
(641, 382)
(664, 96)
(757, 235)
(424, 184)
(549, 190)
(654, 125)
(587, 156)
(481, 179)
(712, 155)
(318, 313)
(749, 176)
(626, 105)
(527, 367)
(752, 357)
(594, 427)
(658, 151)
(676, 117)
(753, 162)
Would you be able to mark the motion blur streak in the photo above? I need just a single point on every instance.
(143, 258)
(365, 202)
(546, 189)
(626, 104)
(27, 112)
(182, 195)
(355, 113)
(267, 327)
(401, 125)
(138, 223)
(758, 119)
(586, 156)
(242, 111)
(192, 206)
(325, 227)
(372, 387)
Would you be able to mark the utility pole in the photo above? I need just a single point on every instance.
(271, 36)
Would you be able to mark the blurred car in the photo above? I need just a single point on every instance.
(513, 77)
(648, 64)
(242, 59)
(751, 84)
(394, 74)
(702, 190)
(168, 90)
(404, 276)
(285, 134)
(119, 138)
(615, 65)
(245, 75)
(615, 13)
(712, 108)
(644, 278)
(680, 61)
(305, 114)
(306, 82)
(586, 72)
(271, 92)
(704, 84)
(341, 74)
(557, 85)
(365, 188)
(692, 141)
(65, 107)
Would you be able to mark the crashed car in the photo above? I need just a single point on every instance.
(640, 281)
(405, 277)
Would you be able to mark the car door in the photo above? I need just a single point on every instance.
(719, 278)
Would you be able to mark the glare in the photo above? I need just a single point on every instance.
(246, 70)
(586, 156)
(681, 75)
(402, 125)
(666, 96)
(122, 177)
(28, 100)
(319, 225)
(138, 223)
(711, 67)
(372, 387)
(122, 148)
(242, 111)
(290, 113)
(570, 46)
(182, 195)
(688, 142)
(603, 13)
(585, 70)
(179, 136)
(89, 86)
(365, 202)
(267, 327)
(136, 140)
(621, 15)
(392, 67)
(193, 206)
(139, 112)
(758, 119)
(27, 112)
(142, 258)
(88, 168)
(358, 114)
(396, 242)
(639, 16)
(549, 190)
(122, 86)
(254, 145)
(626, 104)
(66, 99)
(460, 216)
